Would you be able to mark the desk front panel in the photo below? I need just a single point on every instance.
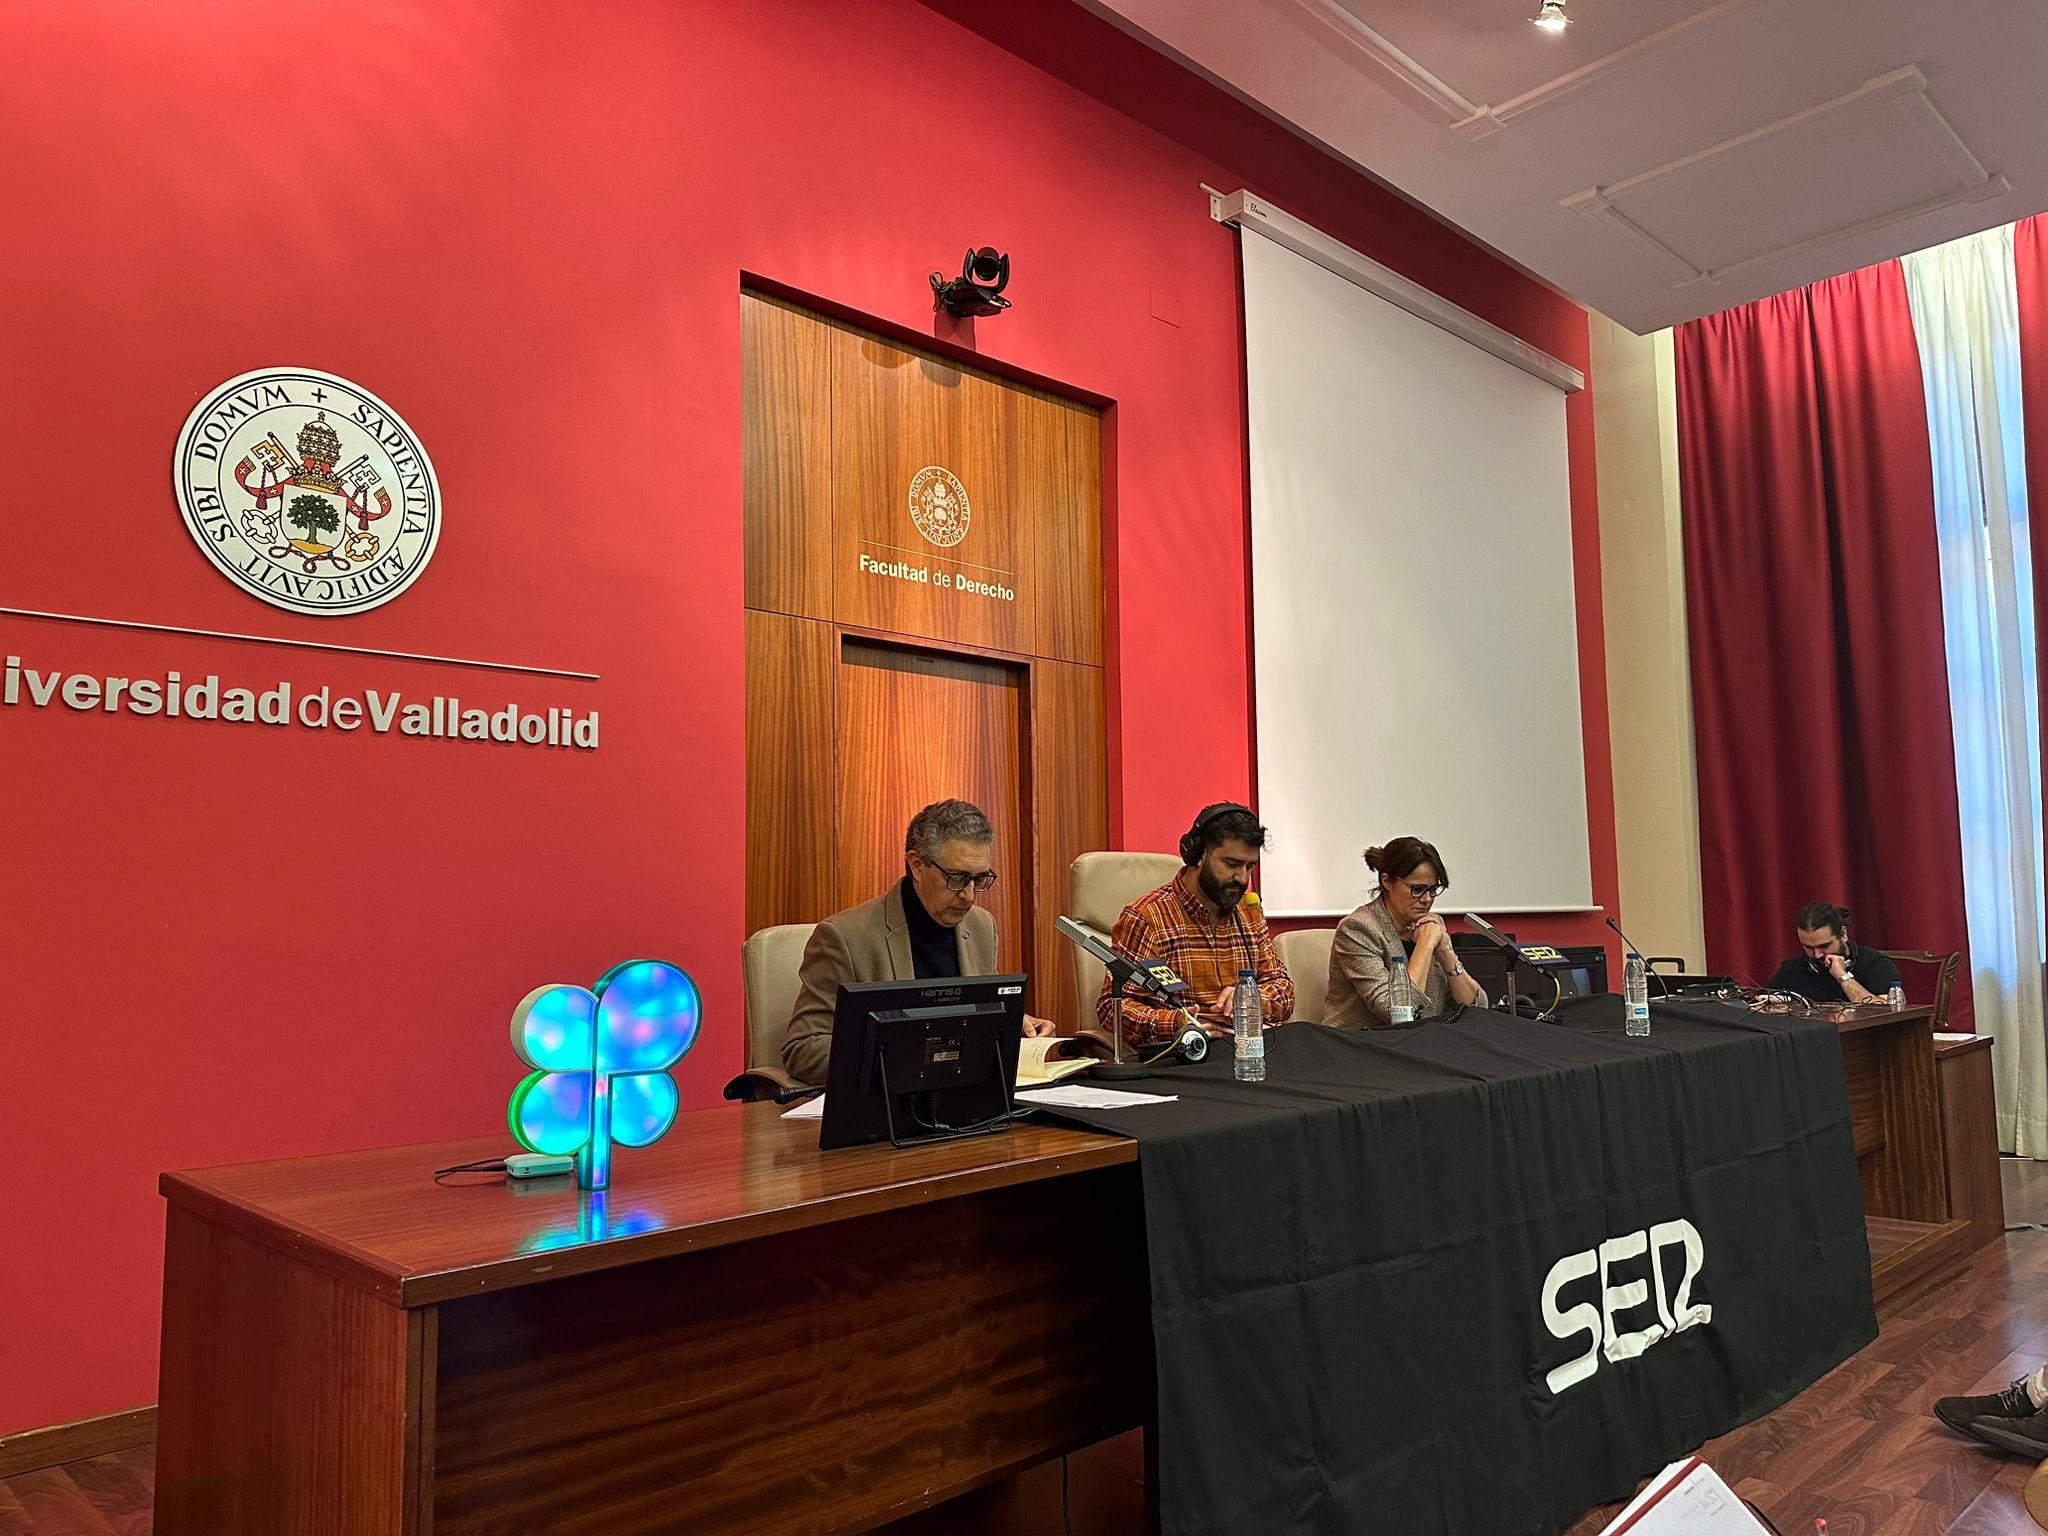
(817, 1380)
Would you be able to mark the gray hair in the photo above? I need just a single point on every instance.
(943, 822)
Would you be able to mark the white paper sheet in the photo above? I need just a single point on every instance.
(1074, 1096)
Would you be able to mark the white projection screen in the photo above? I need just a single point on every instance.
(1415, 640)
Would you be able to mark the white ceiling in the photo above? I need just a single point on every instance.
(1661, 159)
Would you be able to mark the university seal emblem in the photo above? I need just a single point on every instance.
(307, 491)
(938, 505)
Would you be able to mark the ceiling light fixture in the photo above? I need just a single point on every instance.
(1551, 17)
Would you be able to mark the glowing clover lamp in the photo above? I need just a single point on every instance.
(601, 1057)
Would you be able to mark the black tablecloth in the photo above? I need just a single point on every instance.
(1350, 1262)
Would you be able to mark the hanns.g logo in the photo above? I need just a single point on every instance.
(307, 491)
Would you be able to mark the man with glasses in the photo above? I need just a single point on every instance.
(928, 924)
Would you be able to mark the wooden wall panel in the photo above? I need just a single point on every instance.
(918, 726)
(786, 433)
(894, 414)
(791, 669)
(1069, 816)
(841, 749)
(1066, 571)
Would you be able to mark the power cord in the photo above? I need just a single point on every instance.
(492, 1165)
(1066, 1507)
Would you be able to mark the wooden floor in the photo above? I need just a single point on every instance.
(1859, 1447)
(107, 1496)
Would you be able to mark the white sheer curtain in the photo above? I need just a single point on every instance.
(1966, 321)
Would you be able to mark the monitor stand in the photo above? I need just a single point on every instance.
(925, 1136)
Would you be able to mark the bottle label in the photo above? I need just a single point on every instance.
(1252, 1048)
(1639, 1013)
(1403, 1014)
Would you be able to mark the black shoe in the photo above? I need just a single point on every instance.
(2026, 1436)
(1962, 1413)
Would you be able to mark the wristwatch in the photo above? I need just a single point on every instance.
(1458, 969)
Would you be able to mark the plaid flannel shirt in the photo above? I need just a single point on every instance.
(1173, 924)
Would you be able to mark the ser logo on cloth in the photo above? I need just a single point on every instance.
(1628, 1270)
(307, 491)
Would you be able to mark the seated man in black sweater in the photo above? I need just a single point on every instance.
(1832, 969)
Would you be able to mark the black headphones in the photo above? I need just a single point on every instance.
(1191, 840)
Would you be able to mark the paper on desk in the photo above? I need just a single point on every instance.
(1074, 1096)
(1948, 1039)
(810, 1109)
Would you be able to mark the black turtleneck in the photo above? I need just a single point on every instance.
(934, 948)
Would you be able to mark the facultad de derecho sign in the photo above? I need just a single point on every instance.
(925, 575)
(173, 696)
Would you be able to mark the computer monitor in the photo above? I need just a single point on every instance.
(1585, 972)
(1579, 971)
(917, 1061)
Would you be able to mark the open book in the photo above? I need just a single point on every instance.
(1040, 1063)
(1687, 1498)
(1048, 1059)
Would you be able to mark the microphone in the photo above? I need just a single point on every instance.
(1625, 939)
(1519, 956)
(1497, 939)
(1629, 948)
(1154, 976)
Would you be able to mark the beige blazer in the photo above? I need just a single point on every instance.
(870, 942)
(1361, 991)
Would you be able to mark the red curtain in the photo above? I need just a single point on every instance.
(2030, 260)
(1820, 688)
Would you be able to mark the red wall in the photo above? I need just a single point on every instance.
(525, 225)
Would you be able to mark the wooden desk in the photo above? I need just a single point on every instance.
(1969, 1136)
(742, 1336)
(1894, 1110)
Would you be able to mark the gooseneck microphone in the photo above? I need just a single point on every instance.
(1153, 976)
(1628, 948)
(1628, 944)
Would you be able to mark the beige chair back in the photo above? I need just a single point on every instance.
(1099, 887)
(1306, 954)
(770, 963)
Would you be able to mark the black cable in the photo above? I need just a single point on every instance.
(483, 1165)
(1066, 1509)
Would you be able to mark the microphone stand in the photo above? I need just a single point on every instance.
(1120, 1071)
(1628, 948)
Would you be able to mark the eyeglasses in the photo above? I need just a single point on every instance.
(1423, 892)
(957, 880)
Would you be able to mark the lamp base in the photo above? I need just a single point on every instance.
(1117, 1071)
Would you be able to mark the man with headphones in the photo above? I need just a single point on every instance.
(1206, 924)
(1830, 968)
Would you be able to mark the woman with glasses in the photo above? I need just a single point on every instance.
(1398, 930)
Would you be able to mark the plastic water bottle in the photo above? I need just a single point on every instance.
(1897, 997)
(1635, 993)
(1248, 1023)
(1400, 993)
